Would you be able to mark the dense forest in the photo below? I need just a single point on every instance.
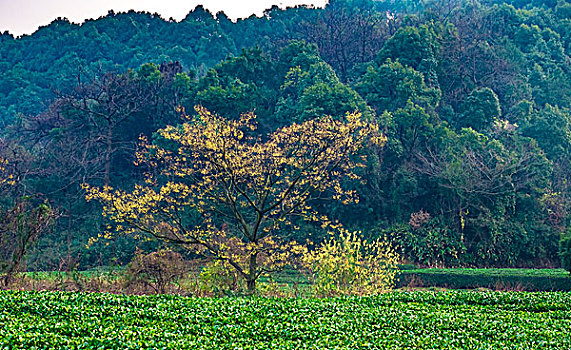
(473, 97)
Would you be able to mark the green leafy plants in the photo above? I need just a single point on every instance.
(401, 320)
(565, 250)
(508, 279)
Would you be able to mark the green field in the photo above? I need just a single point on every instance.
(409, 277)
(399, 320)
(503, 279)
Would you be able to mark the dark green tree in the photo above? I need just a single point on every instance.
(481, 108)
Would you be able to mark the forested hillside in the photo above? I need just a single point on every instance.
(473, 97)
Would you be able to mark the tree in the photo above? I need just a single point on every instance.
(551, 128)
(391, 86)
(243, 189)
(489, 180)
(475, 52)
(347, 34)
(22, 218)
(239, 84)
(107, 104)
(413, 47)
(565, 250)
(480, 109)
(20, 226)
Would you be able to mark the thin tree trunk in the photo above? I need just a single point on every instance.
(252, 275)
(69, 225)
(108, 155)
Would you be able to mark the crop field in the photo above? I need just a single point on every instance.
(509, 279)
(399, 320)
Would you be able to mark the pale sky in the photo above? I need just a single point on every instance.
(25, 16)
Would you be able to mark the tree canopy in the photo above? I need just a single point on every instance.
(472, 97)
(244, 188)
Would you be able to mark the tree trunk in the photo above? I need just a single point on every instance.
(251, 286)
(108, 155)
(14, 268)
(252, 275)
(69, 226)
(8, 277)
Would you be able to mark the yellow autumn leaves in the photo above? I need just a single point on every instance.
(6, 179)
(346, 264)
(244, 187)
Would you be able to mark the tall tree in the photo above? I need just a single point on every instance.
(244, 188)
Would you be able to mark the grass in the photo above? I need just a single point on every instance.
(108, 272)
(410, 276)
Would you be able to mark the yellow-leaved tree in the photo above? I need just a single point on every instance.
(242, 188)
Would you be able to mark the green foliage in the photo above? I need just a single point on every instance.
(434, 243)
(420, 320)
(322, 100)
(219, 278)
(414, 47)
(503, 279)
(412, 127)
(481, 108)
(565, 250)
(551, 128)
(391, 86)
(20, 227)
(472, 96)
(311, 88)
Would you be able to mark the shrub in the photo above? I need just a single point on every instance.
(158, 270)
(425, 241)
(349, 265)
(218, 278)
(565, 250)
(20, 226)
(418, 219)
(498, 279)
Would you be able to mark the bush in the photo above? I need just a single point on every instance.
(20, 226)
(499, 279)
(158, 270)
(218, 278)
(426, 241)
(349, 265)
(565, 250)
